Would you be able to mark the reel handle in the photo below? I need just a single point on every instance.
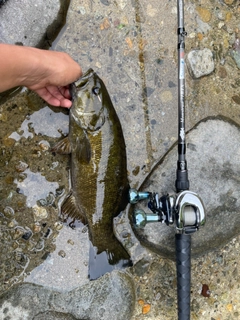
(135, 196)
(141, 218)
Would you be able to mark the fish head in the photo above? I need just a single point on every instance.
(87, 107)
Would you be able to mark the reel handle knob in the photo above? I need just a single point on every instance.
(135, 196)
(140, 218)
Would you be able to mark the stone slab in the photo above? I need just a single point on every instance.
(112, 293)
(32, 23)
(213, 164)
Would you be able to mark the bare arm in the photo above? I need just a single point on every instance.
(46, 72)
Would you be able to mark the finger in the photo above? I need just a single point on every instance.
(62, 94)
(58, 101)
(65, 92)
(47, 96)
(65, 103)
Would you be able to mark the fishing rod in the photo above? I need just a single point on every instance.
(183, 210)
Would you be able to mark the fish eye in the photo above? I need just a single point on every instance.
(96, 91)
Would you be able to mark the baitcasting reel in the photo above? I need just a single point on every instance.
(184, 210)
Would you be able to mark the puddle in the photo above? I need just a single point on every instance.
(35, 187)
(33, 180)
(68, 261)
(42, 122)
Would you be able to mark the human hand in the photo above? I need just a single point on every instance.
(52, 83)
(46, 72)
(56, 96)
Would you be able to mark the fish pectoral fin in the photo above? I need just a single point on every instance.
(62, 147)
(83, 149)
(70, 209)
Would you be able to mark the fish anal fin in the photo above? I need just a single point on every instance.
(70, 209)
(62, 147)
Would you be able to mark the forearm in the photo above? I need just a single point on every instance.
(35, 68)
(16, 62)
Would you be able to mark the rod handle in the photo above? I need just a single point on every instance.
(183, 263)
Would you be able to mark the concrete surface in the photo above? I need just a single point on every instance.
(33, 24)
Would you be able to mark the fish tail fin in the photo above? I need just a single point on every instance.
(114, 257)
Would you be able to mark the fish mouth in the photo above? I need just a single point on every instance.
(81, 83)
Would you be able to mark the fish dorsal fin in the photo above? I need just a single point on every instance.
(62, 147)
(70, 209)
(83, 149)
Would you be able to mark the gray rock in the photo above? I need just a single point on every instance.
(213, 164)
(236, 52)
(2, 2)
(236, 57)
(202, 27)
(110, 297)
(200, 62)
(32, 23)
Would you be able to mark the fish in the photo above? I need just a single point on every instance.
(98, 169)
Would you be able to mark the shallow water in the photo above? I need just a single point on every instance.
(31, 183)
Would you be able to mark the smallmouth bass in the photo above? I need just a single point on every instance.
(98, 171)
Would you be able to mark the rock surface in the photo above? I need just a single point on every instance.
(112, 294)
(200, 62)
(39, 26)
(236, 52)
(213, 165)
(2, 2)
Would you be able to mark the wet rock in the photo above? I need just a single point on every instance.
(213, 166)
(236, 52)
(229, 2)
(117, 300)
(8, 212)
(200, 62)
(2, 2)
(62, 253)
(105, 2)
(141, 267)
(204, 14)
(236, 99)
(32, 25)
(222, 72)
(27, 234)
(202, 27)
(39, 213)
(21, 166)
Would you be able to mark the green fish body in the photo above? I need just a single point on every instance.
(98, 171)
